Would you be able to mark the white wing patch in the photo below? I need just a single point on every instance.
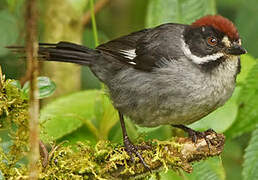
(130, 54)
(199, 60)
(131, 62)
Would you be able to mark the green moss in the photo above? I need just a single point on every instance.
(105, 160)
(14, 119)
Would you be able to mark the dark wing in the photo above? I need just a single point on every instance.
(124, 48)
(144, 49)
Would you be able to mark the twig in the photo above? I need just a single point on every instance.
(98, 6)
(43, 153)
(32, 71)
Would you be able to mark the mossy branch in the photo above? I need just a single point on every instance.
(105, 160)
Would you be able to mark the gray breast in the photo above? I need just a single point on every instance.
(177, 93)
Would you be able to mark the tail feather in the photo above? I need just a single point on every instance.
(68, 46)
(67, 52)
(63, 52)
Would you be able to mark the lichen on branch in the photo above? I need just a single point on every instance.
(105, 160)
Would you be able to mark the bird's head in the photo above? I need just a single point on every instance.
(211, 38)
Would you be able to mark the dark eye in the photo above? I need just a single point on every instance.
(212, 41)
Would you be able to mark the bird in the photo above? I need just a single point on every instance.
(171, 74)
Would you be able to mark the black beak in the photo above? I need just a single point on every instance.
(236, 49)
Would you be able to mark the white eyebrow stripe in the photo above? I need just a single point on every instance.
(130, 54)
(199, 60)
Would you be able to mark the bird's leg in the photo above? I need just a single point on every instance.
(195, 135)
(129, 146)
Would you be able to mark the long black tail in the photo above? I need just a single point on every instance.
(63, 52)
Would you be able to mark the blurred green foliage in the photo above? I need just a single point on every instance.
(185, 12)
(11, 30)
(89, 115)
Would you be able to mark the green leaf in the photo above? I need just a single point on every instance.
(67, 114)
(247, 62)
(146, 129)
(211, 169)
(232, 157)
(247, 116)
(160, 132)
(170, 175)
(222, 118)
(9, 31)
(251, 158)
(82, 134)
(107, 118)
(178, 11)
(45, 85)
(162, 11)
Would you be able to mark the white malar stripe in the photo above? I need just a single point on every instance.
(130, 54)
(199, 60)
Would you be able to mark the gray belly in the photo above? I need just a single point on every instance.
(176, 110)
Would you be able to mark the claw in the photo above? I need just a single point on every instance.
(129, 146)
(133, 149)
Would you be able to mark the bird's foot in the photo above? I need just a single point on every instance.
(132, 150)
(195, 135)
